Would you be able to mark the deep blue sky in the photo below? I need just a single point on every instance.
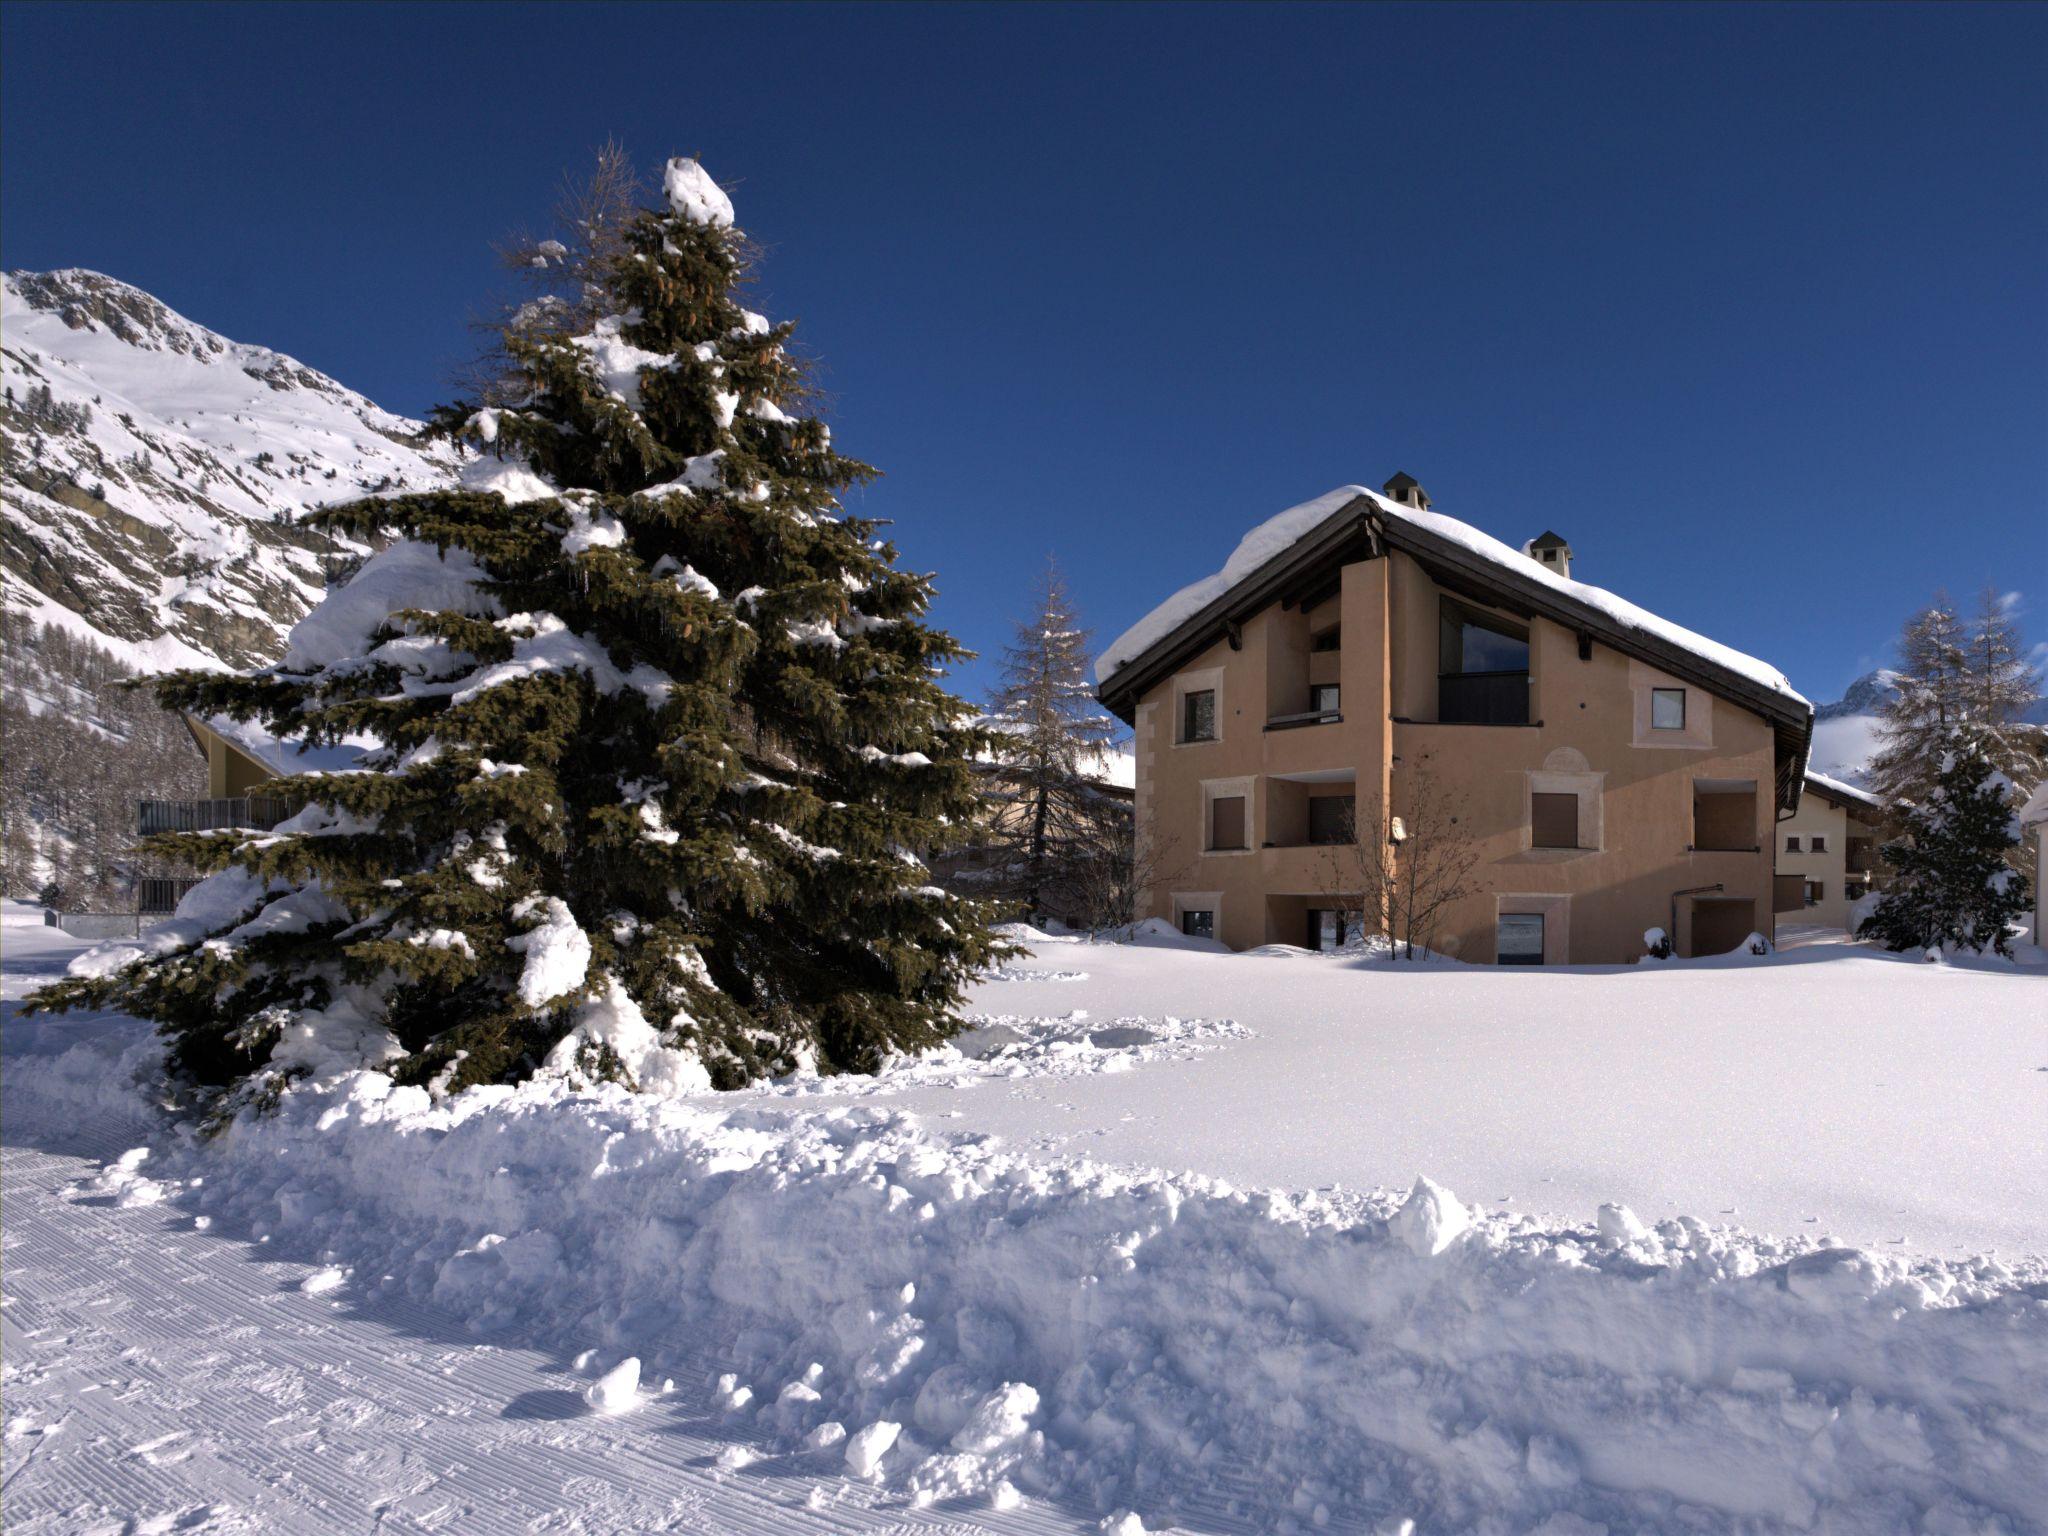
(1748, 303)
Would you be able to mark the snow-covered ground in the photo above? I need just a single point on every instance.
(956, 1298)
(1832, 1090)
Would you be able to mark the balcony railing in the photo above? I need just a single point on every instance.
(1306, 717)
(1863, 859)
(158, 894)
(257, 812)
(1482, 698)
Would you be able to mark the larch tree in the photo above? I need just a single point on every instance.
(1049, 821)
(662, 740)
(1929, 703)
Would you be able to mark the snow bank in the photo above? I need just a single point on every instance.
(961, 1320)
(1277, 534)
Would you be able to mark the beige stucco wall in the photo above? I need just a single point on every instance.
(1590, 738)
(1816, 815)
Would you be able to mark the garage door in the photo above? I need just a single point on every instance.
(1718, 926)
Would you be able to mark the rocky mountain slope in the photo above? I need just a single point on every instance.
(154, 474)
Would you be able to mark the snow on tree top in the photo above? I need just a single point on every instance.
(1272, 537)
(692, 193)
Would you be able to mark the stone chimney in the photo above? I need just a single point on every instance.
(1551, 552)
(1405, 489)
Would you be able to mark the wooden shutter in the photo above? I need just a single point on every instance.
(1226, 821)
(1553, 821)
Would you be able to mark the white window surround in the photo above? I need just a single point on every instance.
(1222, 789)
(1590, 788)
(1185, 683)
(1643, 681)
(1198, 901)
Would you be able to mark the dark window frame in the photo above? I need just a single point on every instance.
(1331, 639)
(1792, 842)
(1818, 843)
(1198, 922)
(1468, 695)
(1318, 704)
(1665, 693)
(1187, 716)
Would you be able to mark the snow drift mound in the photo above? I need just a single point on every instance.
(959, 1322)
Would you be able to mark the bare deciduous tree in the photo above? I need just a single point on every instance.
(1128, 861)
(1399, 875)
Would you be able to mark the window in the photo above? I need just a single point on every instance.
(1198, 715)
(1518, 940)
(1198, 924)
(1553, 821)
(1816, 892)
(1322, 699)
(1330, 819)
(1667, 709)
(1819, 843)
(1226, 823)
(1791, 844)
(1482, 668)
(1328, 640)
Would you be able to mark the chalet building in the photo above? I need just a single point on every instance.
(1611, 771)
(239, 761)
(1828, 852)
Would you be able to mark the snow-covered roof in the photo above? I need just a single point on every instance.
(1833, 786)
(281, 755)
(2036, 808)
(1277, 535)
(1113, 765)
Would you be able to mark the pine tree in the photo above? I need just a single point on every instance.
(1953, 885)
(663, 741)
(1930, 702)
(1047, 812)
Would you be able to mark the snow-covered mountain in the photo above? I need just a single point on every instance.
(1845, 732)
(1866, 696)
(154, 473)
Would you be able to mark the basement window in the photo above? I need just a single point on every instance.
(1198, 923)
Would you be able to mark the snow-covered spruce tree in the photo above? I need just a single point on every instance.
(663, 742)
(1045, 821)
(1952, 884)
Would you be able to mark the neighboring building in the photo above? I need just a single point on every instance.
(1828, 852)
(983, 865)
(240, 759)
(1615, 772)
(2034, 819)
